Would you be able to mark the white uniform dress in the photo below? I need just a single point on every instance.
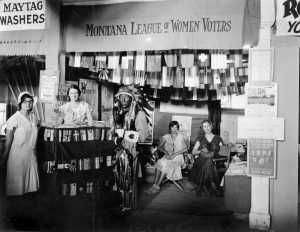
(22, 171)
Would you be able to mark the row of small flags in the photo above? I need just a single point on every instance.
(143, 61)
(209, 92)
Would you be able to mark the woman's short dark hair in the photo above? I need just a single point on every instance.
(74, 87)
(173, 123)
(207, 121)
(24, 96)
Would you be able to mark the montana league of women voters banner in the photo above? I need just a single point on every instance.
(287, 17)
(162, 25)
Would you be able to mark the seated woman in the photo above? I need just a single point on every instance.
(75, 112)
(203, 172)
(173, 145)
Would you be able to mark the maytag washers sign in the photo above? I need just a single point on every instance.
(22, 15)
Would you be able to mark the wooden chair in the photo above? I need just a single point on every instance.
(224, 158)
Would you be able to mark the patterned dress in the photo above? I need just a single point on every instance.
(172, 168)
(203, 171)
(22, 171)
(74, 114)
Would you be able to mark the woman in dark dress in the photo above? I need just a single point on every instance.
(204, 174)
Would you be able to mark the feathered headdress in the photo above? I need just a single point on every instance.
(139, 102)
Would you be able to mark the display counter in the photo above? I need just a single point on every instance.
(237, 196)
(77, 163)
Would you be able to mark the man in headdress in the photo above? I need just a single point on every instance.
(130, 116)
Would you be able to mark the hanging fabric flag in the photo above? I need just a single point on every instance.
(171, 60)
(84, 62)
(195, 76)
(213, 95)
(154, 80)
(188, 77)
(140, 62)
(165, 82)
(202, 77)
(216, 76)
(128, 74)
(194, 90)
(191, 77)
(100, 60)
(124, 62)
(209, 77)
(227, 76)
(187, 60)
(91, 63)
(232, 74)
(203, 60)
(71, 60)
(113, 61)
(179, 78)
(238, 59)
(77, 59)
(218, 60)
(222, 76)
(202, 86)
(232, 89)
(201, 94)
(153, 63)
(220, 94)
(116, 76)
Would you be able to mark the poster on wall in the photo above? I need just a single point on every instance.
(150, 119)
(107, 101)
(261, 66)
(60, 99)
(185, 127)
(49, 80)
(261, 101)
(261, 157)
(89, 94)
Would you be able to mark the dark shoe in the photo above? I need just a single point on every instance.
(193, 188)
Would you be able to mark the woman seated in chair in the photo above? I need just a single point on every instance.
(203, 173)
(173, 145)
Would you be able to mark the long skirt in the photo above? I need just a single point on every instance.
(204, 172)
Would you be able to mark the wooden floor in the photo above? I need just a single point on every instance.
(170, 210)
(172, 200)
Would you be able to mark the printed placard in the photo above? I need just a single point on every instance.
(261, 157)
(49, 79)
(253, 127)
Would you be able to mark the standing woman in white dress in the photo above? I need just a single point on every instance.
(20, 149)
